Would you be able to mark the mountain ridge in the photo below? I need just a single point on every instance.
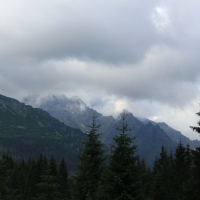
(69, 109)
(175, 135)
(27, 132)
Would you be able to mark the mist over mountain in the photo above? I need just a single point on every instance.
(149, 135)
(72, 111)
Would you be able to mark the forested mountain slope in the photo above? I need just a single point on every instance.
(27, 132)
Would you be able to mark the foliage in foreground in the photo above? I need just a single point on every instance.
(121, 175)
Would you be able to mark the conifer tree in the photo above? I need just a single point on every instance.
(125, 181)
(91, 164)
(19, 179)
(63, 180)
(48, 187)
(182, 165)
(196, 128)
(191, 188)
(31, 183)
(146, 179)
(53, 167)
(6, 168)
(163, 176)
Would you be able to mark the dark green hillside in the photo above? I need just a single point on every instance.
(27, 131)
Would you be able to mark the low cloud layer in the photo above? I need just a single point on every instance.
(138, 55)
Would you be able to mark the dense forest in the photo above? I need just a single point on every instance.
(119, 174)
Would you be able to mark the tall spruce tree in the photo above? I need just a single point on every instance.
(123, 167)
(63, 180)
(191, 188)
(182, 165)
(91, 164)
(48, 187)
(6, 168)
(196, 128)
(163, 176)
(146, 179)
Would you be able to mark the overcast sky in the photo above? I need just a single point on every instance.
(138, 55)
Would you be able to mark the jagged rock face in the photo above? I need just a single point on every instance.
(72, 111)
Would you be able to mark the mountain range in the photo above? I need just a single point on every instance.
(56, 125)
(149, 135)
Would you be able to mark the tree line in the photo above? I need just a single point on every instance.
(119, 174)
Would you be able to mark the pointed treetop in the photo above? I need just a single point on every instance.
(196, 128)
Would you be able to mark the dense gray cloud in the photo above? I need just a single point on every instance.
(140, 55)
(107, 31)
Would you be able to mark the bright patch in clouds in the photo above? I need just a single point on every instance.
(160, 19)
(120, 105)
(153, 118)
